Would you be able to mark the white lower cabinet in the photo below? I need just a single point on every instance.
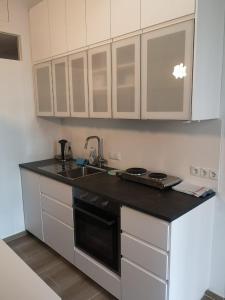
(31, 203)
(138, 284)
(99, 273)
(58, 236)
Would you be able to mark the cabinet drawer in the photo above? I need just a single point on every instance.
(58, 236)
(150, 258)
(99, 273)
(56, 209)
(57, 190)
(145, 227)
(140, 284)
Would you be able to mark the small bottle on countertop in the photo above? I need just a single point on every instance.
(92, 156)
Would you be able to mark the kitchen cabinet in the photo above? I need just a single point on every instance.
(43, 89)
(99, 70)
(167, 58)
(58, 236)
(76, 24)
(39, 31)
(78, 82)
(57, 216)
(156, 12)
(140, 284)
(57, 23)
(125, 16)
(159, 258)
(126, 78)
(61, 87)
(31, 203)
(97, 20)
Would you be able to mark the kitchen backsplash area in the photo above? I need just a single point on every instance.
(171, 147)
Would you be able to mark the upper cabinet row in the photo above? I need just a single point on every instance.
(61, 26)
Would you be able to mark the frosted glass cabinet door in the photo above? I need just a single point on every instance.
(43, 89)
(78, 85)
(126, 78)
(167, 57)
(99, 68)
(61, 87)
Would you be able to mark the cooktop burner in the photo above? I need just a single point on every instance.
(157, 176)
(136, 171)
(153, 179)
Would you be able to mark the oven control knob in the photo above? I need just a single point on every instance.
(105, 203)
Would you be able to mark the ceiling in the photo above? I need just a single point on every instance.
(32, 2)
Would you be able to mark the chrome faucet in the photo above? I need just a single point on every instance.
(100, 160)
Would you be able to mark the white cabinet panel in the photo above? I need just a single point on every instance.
(58, 236)
(43, 89)
(99, 69)
(125, 16)
(57, 190)
(167, 58)
(61, 87)
(99, 273)
(155, 12)
(78, 85)
(4, 12)
(98, 20)
(126, 78)
(57, 21)
(140, 284)
(76, 24)
(150, 258)
(145, 227)
(39, 31)
(32, 202)
(57, 209)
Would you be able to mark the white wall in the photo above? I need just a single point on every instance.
(23, 136)
(164, 146)
(218, 257)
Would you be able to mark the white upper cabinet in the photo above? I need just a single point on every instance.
(57, 21)
(155, 12)
(167, 57)
(43, 89)
(98, 20)
(126, 78)
(61, 87)
(39, 31)
(125, 16)
(76, 24)
(78, 85)
(99, 70)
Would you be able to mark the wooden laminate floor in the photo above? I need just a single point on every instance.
(66, 280)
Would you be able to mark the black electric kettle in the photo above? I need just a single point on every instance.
(66, 152)
(63, 146)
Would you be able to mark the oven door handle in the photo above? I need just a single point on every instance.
(87, 213)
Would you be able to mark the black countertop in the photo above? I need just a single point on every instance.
(164, 204)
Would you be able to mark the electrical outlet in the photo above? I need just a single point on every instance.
(213, 175)
(195, 171)
(204, 173)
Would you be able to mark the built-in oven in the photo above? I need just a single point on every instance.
(97, 228)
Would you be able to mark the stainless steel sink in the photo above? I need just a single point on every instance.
(80, 172)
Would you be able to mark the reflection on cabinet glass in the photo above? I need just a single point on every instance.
(78, 85)
(99, 68)
(126, 78)
(167, 72)
(43, 89)
(61, 87)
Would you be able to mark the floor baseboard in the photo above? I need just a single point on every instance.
(15, 236)
(211, 296)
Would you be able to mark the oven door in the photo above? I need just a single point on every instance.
(96, 233)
